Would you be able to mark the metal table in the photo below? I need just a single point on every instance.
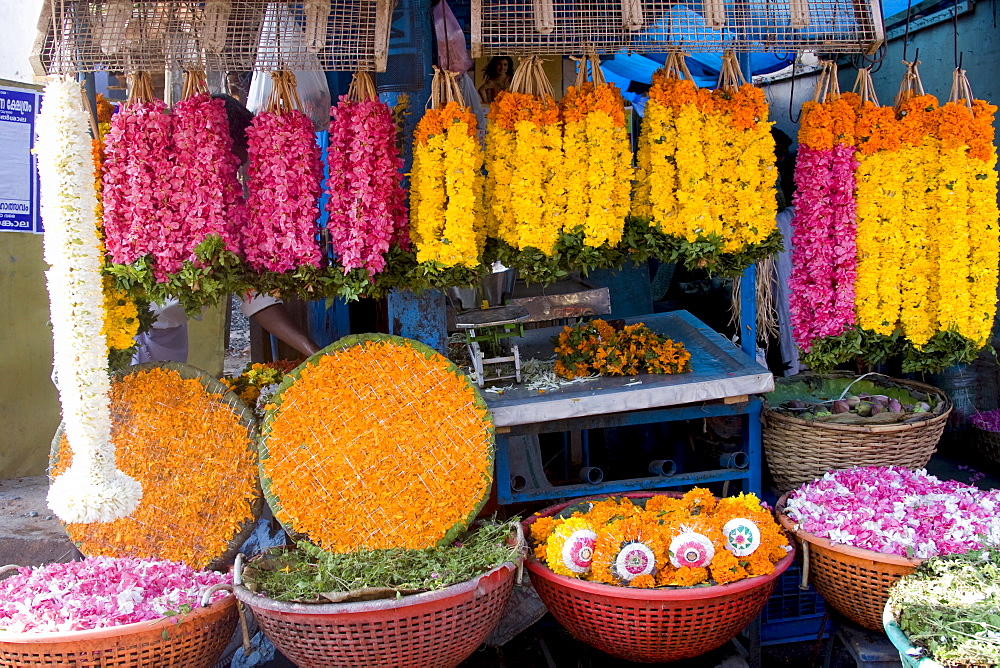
(723, 382)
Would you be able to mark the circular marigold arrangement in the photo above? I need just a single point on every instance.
(191, 448)
(664, 540)
(376, 442)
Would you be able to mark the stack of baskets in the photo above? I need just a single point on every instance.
(799, 451)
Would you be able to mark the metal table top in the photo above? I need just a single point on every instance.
(719, 370)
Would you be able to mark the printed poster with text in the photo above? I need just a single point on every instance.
(18, 176)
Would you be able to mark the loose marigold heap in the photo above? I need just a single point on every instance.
(194, 457)
(596, 347)
(378, 443)
(662, 541)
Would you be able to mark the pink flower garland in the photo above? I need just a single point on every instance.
(285, 175)
(100, 592)
(138, 214)
(897, 511)
(204, 184)
(365, 205)
(823, 244)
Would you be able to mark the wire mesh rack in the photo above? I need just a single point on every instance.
(211, 35)
(518, 27)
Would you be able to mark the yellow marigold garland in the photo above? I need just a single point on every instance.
(598, 159)
(447, 222)
(706, 163)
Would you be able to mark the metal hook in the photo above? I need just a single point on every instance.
(791, 94)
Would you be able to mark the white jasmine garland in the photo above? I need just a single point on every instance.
(92, 489)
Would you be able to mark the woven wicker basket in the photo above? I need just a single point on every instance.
(436, 629)
(853, 581)
(651, 625)
(799, 451)
(192, 640)
(987, 444)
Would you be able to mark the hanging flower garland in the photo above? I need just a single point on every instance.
(365, 205)
(138, 211)
(121, 312)
(662, 541)
(598, 158)
(704, 190)
(284, 183)
(927, 239)
(93, 489)
(823, 243)
(204, 247)
(447, 223)
(526, 185)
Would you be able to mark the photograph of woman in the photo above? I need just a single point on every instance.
(497, 78)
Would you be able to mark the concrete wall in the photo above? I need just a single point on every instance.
(29, 407)
(978, 40)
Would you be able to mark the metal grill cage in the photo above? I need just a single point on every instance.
(211, 35)
(520, 27)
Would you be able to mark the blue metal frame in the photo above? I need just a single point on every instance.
(752, 447)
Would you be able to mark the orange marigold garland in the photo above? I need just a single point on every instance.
(376, 442)
(664, 540)
(192, 451)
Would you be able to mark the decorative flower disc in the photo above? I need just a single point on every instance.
(742, 537)
(633, 560)
(691, 549)
(578, 550)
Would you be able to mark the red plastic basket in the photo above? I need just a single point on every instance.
(651, 625)
(435, 629)
(192, 640)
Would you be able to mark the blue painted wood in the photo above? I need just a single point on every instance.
(748, 311)
(420, 317)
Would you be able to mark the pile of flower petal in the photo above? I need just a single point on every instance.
(100, 592)
(896, 511)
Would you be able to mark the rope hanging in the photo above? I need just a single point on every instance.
(961, 89)
(284, 95)
(195, 83)
(530, 78)
(865, 87)
(445, 89)
(141, 89)
(911, 86)
(730, 74)
(828, 85)
(362, 88)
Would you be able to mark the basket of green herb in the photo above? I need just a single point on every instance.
(392, 607)
(947, 613)
(819, 423)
